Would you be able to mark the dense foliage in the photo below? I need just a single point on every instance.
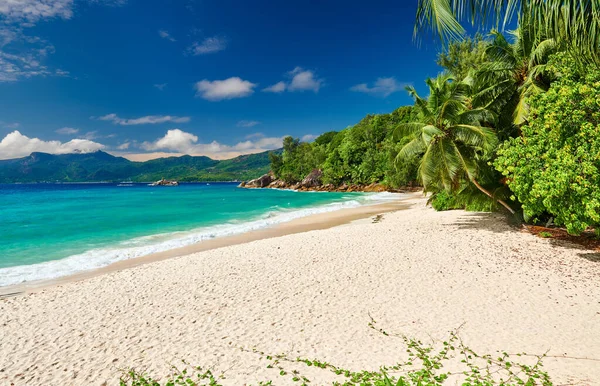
(513, 121)
(361, 154)
(101, 166)
(554, 166)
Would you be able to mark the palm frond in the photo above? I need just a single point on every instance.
(412, 149)
(476, 116)
(480, 137)
(411, 129)
(574, 24)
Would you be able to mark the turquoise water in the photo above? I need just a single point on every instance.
(51, 230)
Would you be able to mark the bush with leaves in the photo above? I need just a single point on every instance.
(554, 166)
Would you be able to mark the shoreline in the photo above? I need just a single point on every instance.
(303, 224)
(312, 294)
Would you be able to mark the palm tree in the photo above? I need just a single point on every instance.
(449, 137)
(514, 71)
(572, 23)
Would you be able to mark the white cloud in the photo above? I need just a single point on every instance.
(160, 86)
(300, 80)
(123, 146)
(217, 90)
(22, 55)
(208, 46)
(247, 123)
(67, 131)
(383, 87)
(308, 138)
(26, 64)
(166, 35)
(178, 142)
(304, 80)
(34, 10)
(147, 120)
(16, 145)
(276, 88)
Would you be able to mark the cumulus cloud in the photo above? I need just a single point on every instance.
(123, 146)
(300, 80)
(304, 80)
(278, 87)
(147, 120)
(160, 86)
(217, 90)
(67, 131)
(208, 46)
(383, 87)
(16, 145)
(247, 123)
(177, 142)
(166, 35)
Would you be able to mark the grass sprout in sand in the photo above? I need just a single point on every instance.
(441, 363)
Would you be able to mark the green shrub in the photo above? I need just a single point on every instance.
(554, 166)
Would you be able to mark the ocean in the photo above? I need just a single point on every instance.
(53, 230)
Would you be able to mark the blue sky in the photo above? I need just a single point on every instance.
(145, 78)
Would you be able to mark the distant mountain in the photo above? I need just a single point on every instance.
(101, 166)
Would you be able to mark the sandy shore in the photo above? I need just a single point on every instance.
(417, 272)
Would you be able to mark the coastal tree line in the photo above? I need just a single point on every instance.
(512, 122)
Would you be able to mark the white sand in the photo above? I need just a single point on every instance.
(417, 272)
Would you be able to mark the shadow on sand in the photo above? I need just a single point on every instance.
(588, 246)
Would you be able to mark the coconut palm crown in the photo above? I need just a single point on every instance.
(515, 70)
(449, 136)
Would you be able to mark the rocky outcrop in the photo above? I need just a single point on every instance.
(313, 182)
(260, 182)
(278, 184)
(313, 179)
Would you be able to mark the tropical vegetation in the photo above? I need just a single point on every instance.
(511, 123)
(362, 154)
(553, 167)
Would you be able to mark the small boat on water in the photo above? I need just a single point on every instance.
(163, 182)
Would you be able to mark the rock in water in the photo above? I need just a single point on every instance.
(313, 179)
(260, 182)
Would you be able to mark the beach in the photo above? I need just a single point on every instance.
(311, 292)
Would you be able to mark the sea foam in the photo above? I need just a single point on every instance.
(146, 245)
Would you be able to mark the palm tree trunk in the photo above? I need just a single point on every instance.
(504, 204)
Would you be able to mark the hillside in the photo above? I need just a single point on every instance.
(101, 166)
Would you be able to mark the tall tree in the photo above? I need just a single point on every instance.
(572, 23)
(449, 137)
(514, 71)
